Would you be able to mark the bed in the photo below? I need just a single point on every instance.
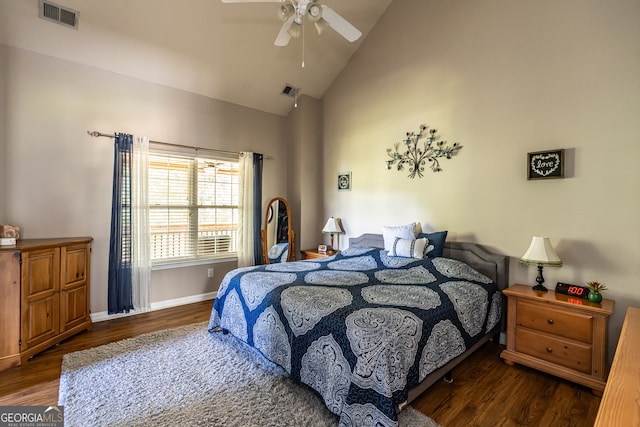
(367, 331)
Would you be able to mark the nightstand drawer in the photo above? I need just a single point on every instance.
(573, 355)
(561, 322)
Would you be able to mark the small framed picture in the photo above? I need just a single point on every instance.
(545, 164)
(344, 181)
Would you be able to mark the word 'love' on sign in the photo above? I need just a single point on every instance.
(545, 164)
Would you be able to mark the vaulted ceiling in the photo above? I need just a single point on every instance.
(222, 51)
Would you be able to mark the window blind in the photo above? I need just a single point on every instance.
(193, 207)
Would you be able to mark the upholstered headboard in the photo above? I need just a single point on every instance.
(491, 265)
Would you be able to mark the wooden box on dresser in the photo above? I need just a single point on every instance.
(558, 334)
(44, 295)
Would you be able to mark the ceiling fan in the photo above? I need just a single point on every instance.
(293, 11)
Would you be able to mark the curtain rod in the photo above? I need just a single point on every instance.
(98, 134)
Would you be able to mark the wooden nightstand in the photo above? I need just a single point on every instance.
(558, 334)
(313, 253)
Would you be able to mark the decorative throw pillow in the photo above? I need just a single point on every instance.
(436, 239)
(401, 231)
(409, 248)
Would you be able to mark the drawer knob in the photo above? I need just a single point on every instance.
(549, 350)
(550, 321)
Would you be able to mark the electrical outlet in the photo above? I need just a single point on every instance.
(210, 272)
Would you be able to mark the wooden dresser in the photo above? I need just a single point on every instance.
(44, 295)
(558, 334)
(620, 406)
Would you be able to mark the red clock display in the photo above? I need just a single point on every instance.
(573, 290)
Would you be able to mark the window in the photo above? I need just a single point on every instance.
(193, 207)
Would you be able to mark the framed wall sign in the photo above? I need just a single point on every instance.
(545, 164)
(344, 181)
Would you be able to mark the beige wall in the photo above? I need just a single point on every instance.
(58, 179)
(305, 172)
(3, 113)
(503, 78)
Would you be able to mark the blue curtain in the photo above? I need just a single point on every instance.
(119, 279)
(257, 206)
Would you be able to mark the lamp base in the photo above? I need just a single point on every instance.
(540, 287)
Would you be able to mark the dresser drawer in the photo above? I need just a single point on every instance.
(558, 322)
(573, 355)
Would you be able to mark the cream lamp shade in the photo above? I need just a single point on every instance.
(333, 226)
(541, 253)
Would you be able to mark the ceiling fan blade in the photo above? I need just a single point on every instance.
(341, 25)
(283, 36)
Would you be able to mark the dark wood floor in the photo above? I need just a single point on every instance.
(485, 391)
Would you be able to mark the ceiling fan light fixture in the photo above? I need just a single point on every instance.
(294, 30)
(321, 25)
(292, 12)
(285, 11)
(314, 12)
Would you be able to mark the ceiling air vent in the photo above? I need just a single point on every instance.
(59, 14)
(289, 90)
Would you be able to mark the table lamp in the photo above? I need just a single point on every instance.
(333, 226)
(541, 253)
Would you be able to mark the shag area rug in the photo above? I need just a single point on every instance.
(189, 377)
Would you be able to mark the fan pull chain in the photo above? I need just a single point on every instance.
(303, 43)
(296, 94)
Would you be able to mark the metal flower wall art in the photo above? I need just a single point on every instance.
(419, 148)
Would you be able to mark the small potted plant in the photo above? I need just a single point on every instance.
(595, 288)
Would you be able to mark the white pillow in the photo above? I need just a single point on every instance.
(409, 248)
(402, 231)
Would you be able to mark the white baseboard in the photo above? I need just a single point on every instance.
(160, 305)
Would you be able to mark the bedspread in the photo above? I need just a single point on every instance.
(360, 327)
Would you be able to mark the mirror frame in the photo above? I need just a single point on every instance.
(291, 248)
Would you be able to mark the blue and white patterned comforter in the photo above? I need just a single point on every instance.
(360, 327)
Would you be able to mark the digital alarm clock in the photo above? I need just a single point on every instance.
(573, 290)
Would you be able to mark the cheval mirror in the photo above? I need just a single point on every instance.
(278, 238)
